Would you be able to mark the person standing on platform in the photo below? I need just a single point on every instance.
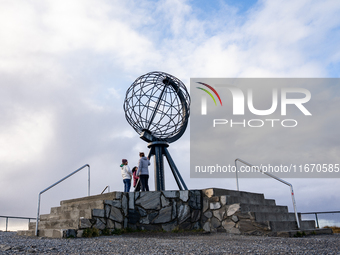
(126, 174)
(136, 181)
(143, 171)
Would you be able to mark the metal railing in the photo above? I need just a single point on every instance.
(316, 215)
(88, 191)
(14, 217)
(276, 178)
(108, 189)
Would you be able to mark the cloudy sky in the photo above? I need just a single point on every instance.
(65, 67)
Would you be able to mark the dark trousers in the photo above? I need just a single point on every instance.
(137, 187)
(144, 178)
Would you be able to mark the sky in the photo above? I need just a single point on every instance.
(65, 67)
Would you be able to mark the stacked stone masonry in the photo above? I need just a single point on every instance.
(213, 210)
(166, 210)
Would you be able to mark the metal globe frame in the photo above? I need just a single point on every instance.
(159, 103)
(157, 106)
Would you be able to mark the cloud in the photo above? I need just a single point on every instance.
(65, 67)
(25, 139)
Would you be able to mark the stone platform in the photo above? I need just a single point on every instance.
(212, 210)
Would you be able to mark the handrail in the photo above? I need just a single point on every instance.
(315, 212)
(15, 217)
(316, 215)
(108, 189)
(276, 178)
(41, 192)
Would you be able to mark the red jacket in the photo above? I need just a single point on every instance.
(135, 178)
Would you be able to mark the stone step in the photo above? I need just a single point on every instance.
(307, 232)
(89, 199)
(55, 210)
(277, 226)
(51, 233)
(82, 205)
(269, 216)
(26, 232)
(67, 215)
(220, 192)
(251, 201)
(307, 224)
(31, 226)
(264, 208)
(55, 224)
(47, 217)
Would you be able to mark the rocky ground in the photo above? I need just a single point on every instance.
(171, 243)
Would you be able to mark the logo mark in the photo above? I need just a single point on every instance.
(204, 99)
(213, 90)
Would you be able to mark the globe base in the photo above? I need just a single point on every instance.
(158, 149)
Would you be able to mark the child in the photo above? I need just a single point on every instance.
(135, 179)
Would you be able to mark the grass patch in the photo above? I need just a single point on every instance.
(90, 232)
(177, 230)
(118, 231)
(106, 232)
(126, 231)
(93, 232)
(300, 234)
(334, 228)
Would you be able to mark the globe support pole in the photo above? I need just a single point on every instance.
(159, 169)
(158, 150)
(174, 170)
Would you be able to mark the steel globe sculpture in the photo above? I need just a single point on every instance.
(157, 106)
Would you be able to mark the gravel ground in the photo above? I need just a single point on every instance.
(171, 243)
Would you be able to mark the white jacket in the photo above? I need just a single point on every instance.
(126, 172)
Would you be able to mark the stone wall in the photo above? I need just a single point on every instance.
(235, 212)
(182, 210)
(220, 216)
(154, 210)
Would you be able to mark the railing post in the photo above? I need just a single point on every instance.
(276, 178)
(236, 175)
(317, 220)
(294, 204)
(88, 191)
(88, 185)
(108, 189)
(6, 223)
(38, 212)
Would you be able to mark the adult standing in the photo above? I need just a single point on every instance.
(143, 171)
(126, 174)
